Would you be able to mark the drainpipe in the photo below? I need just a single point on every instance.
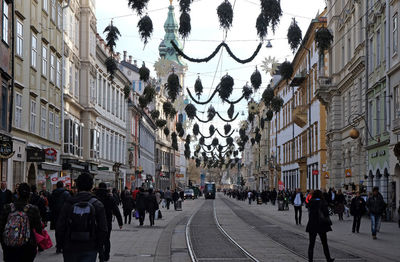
(366, 77)
(62, 76)
(387, 89)
(12, 67)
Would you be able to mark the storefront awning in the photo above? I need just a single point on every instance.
(33, 145)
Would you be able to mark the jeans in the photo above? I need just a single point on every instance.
(324, 241)
(356, 223)
(375, 223)
(128, 217)
(249, 201)
(297, 214)
(89, 256)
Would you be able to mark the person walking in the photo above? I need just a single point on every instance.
(151, 205)
(319, 223)
(127, 205)
(56, 203)
(111, 208)
(357, 210)
(376, 205)
(38, 201)
(249, 196)
(168, 197)
(116, 196)
(6, 196)
(141, 205)
(297, 201)
(182, 195)
(175, 198)
(340, 201)
(82, 224)
(24, 219)
(274, 195)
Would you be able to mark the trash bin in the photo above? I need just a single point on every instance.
(259, 201)
(280, 205)
(178, 206)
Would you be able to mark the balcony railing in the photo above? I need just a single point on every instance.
(323, 88)
(300, 115)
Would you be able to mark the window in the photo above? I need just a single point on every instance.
(104, 93)
(53, 11)
(348, 106)
(113, 101)
(140, 86)
(349, 49)
(109, 97)
(395, 33)
(397, 102)
(371, 55)
(99, 89)
(94, 143)
(5, 22)
(378, 115)
(76, 87)
(385, 122)
(133, 85)
(344, 111)
(378, 48)
(76, 32)
(44, 60)
(58, 80)
(370, 123)
(4, 104)
(20, 39)
(33, 50)
(43, 122)
(18, 110)
(52, 67)
(71, 87)
(59, 18)
(56, 127)
(343, 54)
(92, 90)
(51, 125)
(32, 127)
(45, 5)
(384, 41)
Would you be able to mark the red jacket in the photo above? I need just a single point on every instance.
(134, 193)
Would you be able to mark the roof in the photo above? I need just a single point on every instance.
(130, 66)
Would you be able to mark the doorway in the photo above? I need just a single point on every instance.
(32, 175)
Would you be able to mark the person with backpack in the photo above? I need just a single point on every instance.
(319, 223)
(23, 218)
(111, 208)
(82, 224)
(56, 203)
(127, 205)
(151, 205)
(297, 201)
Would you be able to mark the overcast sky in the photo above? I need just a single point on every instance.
(206, 35)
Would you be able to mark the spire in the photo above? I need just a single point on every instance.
(171, 34)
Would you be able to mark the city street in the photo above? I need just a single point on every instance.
(257, 232)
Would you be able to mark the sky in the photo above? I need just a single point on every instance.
(206, 34)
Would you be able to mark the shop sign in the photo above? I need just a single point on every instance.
(103, 168)
(50, 154)
(281, 186)
(35, 155)
(6, 146)
(315, 172)
(180, 175)
(378, 153)
(347, 172)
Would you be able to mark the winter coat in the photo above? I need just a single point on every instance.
(63, 238)
(340, 201)
(110, 206)
(141, 201)
(357, 207)
(274, 194)
(315, 223)
(376, 205)
(57, 200)
(127, 202)
(151, 203)
(158, 197)
(40, 203)
(6, 197)
(175, 196)
(167, 195)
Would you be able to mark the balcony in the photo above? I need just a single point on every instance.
(299, 78)
(396, 124)
(300, 115)
(323, 89)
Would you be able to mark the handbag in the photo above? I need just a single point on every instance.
(322, 218)
(136, 214)
(43, 240)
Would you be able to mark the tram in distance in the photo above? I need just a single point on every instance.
(209, 190)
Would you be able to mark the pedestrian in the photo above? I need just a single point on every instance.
(398, 212)
(376, 205)
(249, 196)
(182, 195)
(141, 205)
(111, 208)
(297, 201)
(127, 205)
(309, 197)
(44, 191)
(24, 219)
(82, 224)
(319, 223)
(38, 201)
(274, 195)
(151, 205)
(357, 210)
(175, 198)
(116, 196)
(6, 196)
(168, 197)
(340, 201)
(56, 203)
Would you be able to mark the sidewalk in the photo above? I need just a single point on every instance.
(386, 248)
(133, 243)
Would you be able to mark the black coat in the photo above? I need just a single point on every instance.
(63, 239)
(357, 207)
(376, 205)
(57, 200)
(110, 205)
(127, 202)
(141, 201)
(151, 203)
(40, 203)
(6, 197)
(315, 223)
(175, 196)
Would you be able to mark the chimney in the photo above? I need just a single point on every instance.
(135, 63)
(130, 59)
(125, 56)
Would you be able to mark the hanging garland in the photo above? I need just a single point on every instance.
(174, 143)
(323, 39)
(235, 101)
(211, 128)
(225, 136)
(213, 54)
(155, 114)
(294, 35)
(227, 128)
(286, 70)
(112, 66)
(211, 113)
(144, 73)
(161, 123)
(256, 79)
(169, 110)
(138, 5)
(204, 102)
(112, 36)
(196, 129)
(268, 95)
(226, 87)
(231, 111)
(173, 86)
(145, 26)
(190, 110)
(228, 120)
(198, 87)
(225, 14)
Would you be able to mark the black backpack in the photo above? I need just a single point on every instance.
(82, 221)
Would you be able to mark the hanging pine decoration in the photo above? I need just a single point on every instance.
(269, 115)
(247, 92)
(112, 66)
(179, 127)
(268, 95)
(166, 131)
(215, 142)
(231, 111)
(198, 87)
(181, 133)
(173, 86)
(226, 87)
(242, 132)
(212, 130)
(138, 5)
(169, 110)
(144, 73)
(225, 14)
(286, 70)
(256, 79)
(262, 26)
(155, 114)
(272, 11)
(174, 141)
(229, 141)
(201, 141)
(258, 138)
(161, 123)
(190, 110)
(149, 93)
(145, 26)
(262, 123)
(187, 151)
(277, 103)
(184, 24)
(142, 102)
(185, 5)
(112, 36)
(250, 118)
(294, 35)
(252, 141)
(127, 91)
(227, 128)
(196, 129)
(211, 113)
(209, 147)
(188, 138)
(323, 39)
